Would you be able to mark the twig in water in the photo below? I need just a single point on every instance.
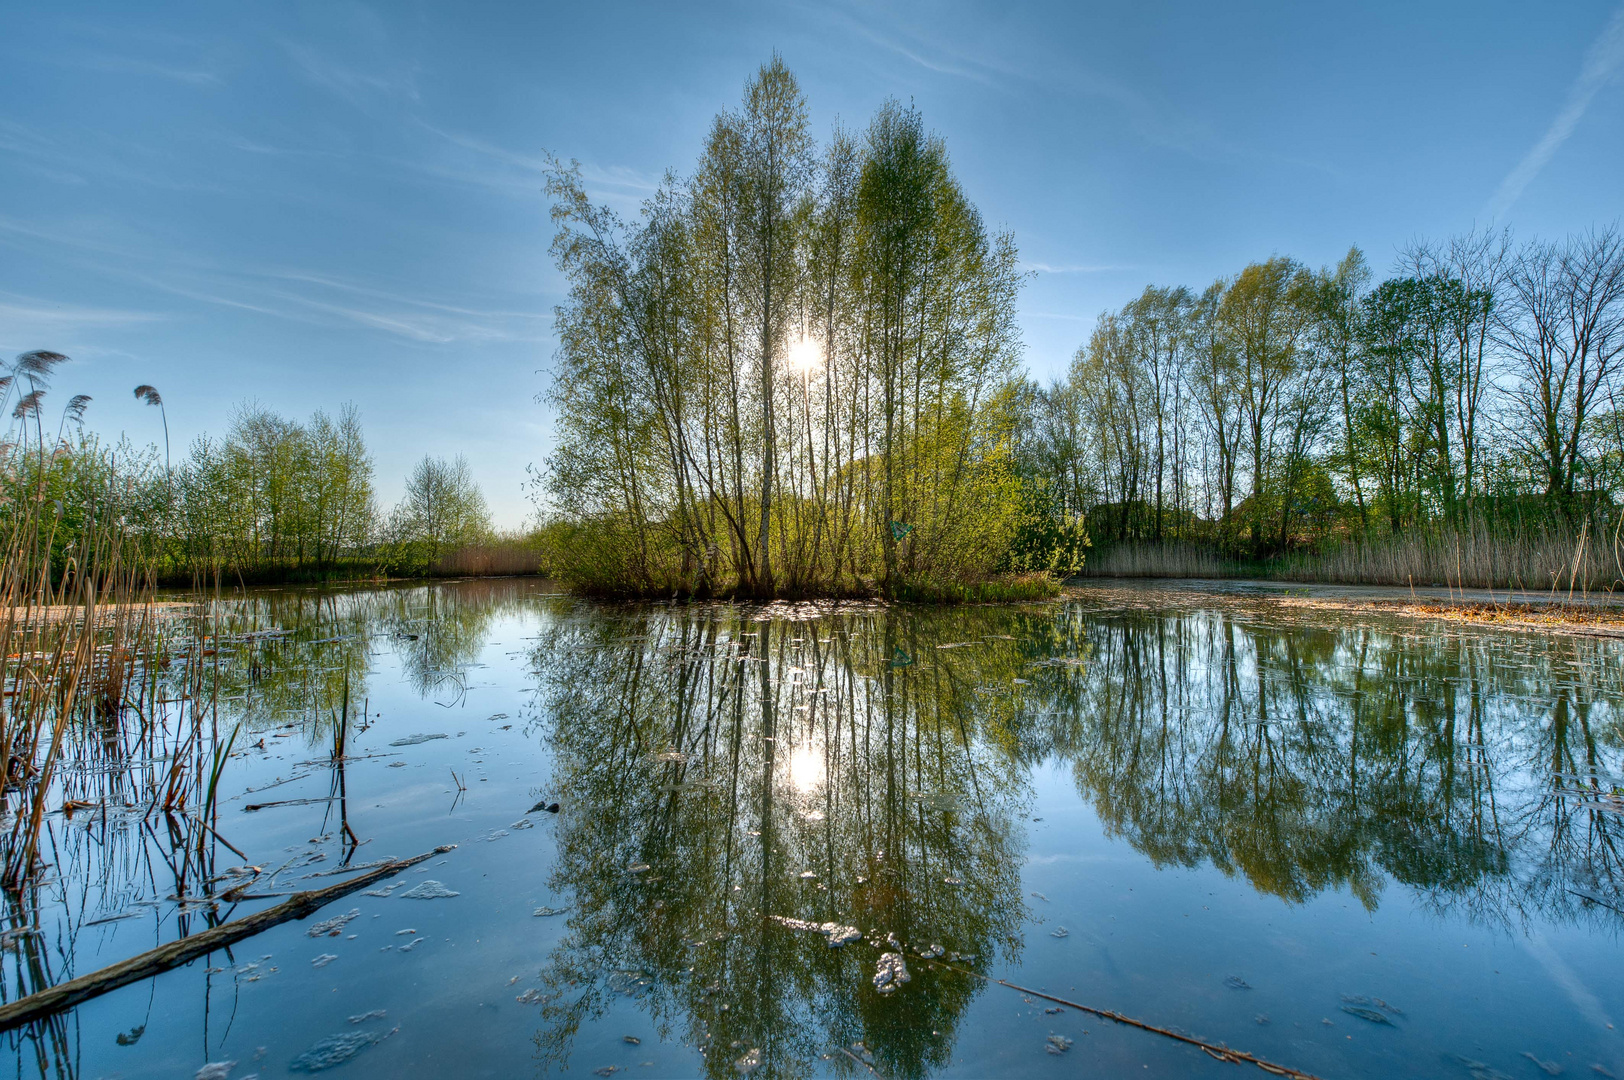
(1216, 1050)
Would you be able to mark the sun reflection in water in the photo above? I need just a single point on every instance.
(806, 769)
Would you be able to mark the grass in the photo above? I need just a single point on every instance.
(502, 557)
(1003, 589)
(1553, 557)
(91, 689)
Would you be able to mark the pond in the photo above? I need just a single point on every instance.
(809, 840)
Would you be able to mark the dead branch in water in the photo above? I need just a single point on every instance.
(1215, 1050)
(175, 953)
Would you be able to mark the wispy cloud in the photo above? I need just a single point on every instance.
(1070, 268)
(290, 295)
(127, 65)
(520, 172)
(1059, 315)
(15, 309)
(353, 85)
(1601, 63)
(30, 323)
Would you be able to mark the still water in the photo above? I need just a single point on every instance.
(1354, 846)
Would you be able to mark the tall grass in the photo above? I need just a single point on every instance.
(87, 686)
(1163, 561)
(503, 556)
(1553, 556)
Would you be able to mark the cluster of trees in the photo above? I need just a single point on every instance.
(791, 373)
(273, 498)
(1284, 405)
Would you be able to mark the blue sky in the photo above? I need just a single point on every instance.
(307, 204)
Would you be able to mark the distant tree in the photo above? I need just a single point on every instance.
(1563, 328)
(442, 508)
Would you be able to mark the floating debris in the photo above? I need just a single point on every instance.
(413, 740)
(809, 875)
(334, 926)
(1363, 1013)
(1040, 896)
(428, 890)
(412, 944)
(749, 1063)
(336, 1050)
(638, 868)
(606, 1070)
(931, 952)
(1261, 1019)
(1235, 982)
(1054, 1009)
(533, 996)
(890, 973)
(632, 1040)
(375, 1014)
(100, 921)
(215, 1070)
(323, 960)
(952, 881)
(837, 933)
(385, 890)
(631, 983)
(1057, 1044)
(1060, 931)
(404, 933)
(1482, 1070)
(1360, 999)
(494, 834)
(671, 755)
(523, 823)
(547, 912)
(1549, 1068)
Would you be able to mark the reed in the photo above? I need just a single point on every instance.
(501, 557)
(87, 683)
(1555, 556)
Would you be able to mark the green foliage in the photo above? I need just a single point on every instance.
(442, 509)
(1047, 538)
(788, 352)
(1285, 408)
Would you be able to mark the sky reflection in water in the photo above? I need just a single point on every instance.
(1353, 846)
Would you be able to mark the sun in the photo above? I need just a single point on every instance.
(805, 355)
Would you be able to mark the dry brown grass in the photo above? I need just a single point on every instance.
(496, 558)
(1552, 557)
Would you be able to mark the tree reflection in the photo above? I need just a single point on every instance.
(841, 769)
(723, 769)
(1478, 769)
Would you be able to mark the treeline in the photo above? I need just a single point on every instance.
(791, 373)
(1284, 408)
(273, 499)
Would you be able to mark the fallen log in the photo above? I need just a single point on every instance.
(298, 906)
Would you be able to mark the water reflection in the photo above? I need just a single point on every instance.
(278, 664)
(740, 784)
(1478, 769)
(727, 777)
(726, 770)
